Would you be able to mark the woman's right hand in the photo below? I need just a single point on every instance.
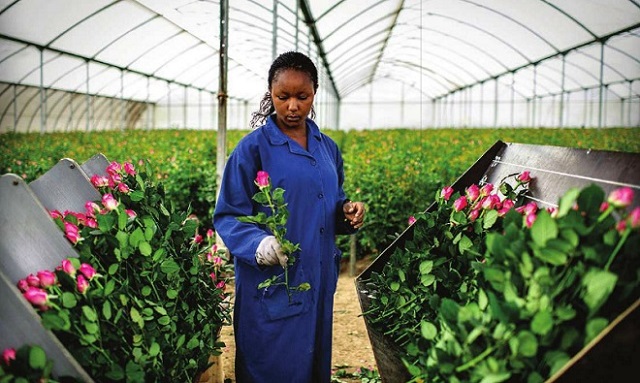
(269, 252)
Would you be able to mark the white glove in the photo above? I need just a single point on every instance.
(270, 252)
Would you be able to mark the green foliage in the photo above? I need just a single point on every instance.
(515, 303)
(395, 172)
(155, 303)
(30, 364)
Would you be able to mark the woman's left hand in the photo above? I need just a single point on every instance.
(354, 212)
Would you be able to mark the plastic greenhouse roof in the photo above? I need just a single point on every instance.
(142, 49)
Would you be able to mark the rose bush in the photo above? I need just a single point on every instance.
(145, 300)
(492, 290)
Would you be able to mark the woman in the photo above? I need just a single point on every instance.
(278, 340)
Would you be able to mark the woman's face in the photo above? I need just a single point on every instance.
(292, 95)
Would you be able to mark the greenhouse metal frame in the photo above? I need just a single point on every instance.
(68, 65)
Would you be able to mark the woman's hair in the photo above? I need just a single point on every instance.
(288, 60)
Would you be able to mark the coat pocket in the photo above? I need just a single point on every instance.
(277, 304)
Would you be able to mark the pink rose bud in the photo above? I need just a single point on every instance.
(507, 205)
(68, 268)
(214, 248)
(87, 270)
(8, 355)
(634, 218)
(604, 206)
(129, 169)
(217, 261)
(55, 214)
(82, 284)
(460, 203)
(262, 179)
(91, 208)
(553, 211)
(114, 168)
(489, 202)
(213, 276)
(524, 177)
(109, 202)
(91, 222)
(210, 233)
(486, 190)
(36, 296)
(412, 220)
(99, 181)
(197, 238)
(23, 285)
(446, 192)
(130, 213)
(123, 188)
(530, 219)
(621, 197)
(220, 285)
(210, 257)
(47, 278)
(473, 192)
(474, 214)
(32, 280)
(529, 208)
(72, 232)
(621, 226)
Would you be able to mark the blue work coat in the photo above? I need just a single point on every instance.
(278, 340)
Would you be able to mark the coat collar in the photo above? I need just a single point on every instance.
(277, 137)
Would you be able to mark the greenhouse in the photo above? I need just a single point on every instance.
(100, 65)
(334, 191)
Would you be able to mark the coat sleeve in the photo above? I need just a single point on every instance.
(235, 200)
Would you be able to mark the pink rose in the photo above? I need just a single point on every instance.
(109, 202)
(72, 232)
(99, 181)
(210, 233)
(621, 197)
(67, 267)
(23, 285)
(130, 213)
(82, 284)
(91, 222)
(507, 205)
(91, 208)
(446, 192)
(55, 214)
(262, 179)
(217, 261)
(486, 190)
(474, 214)
(32, 280)
(490, 202)
(412, 220)
(8, 355)
(220, 285)
(123, 188)
(129, 169)
(87, 270)
(197, 238)
(473, 192)
(553, 211)
(47, 278)
(36, 296)
(530, 219)
(114, 168)
(621, 226)
(604, 206)
(524, 177)
(529, 208)
(460, 203)
(213, 276)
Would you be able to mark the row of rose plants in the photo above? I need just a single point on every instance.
(492, 289)
(145, 297)
(393, 171)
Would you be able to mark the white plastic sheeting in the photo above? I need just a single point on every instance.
(102, 64)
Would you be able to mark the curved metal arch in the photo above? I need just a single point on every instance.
(15, 53)
(353, 55)
(364, 28)
(167, 62)
(47, 45)
(369, 8)
(568, 16)
(386, 40)
(124, 34)
(154, 46)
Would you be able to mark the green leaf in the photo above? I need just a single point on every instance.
(427, 279)
(599, 285)
(164, 320)
(136, 195)
(105, 222)
(449, 310)
(428, 330)
(136, 237)
(134, 372)
(69, 300)
(109, 287)
(590, 199)
(146, 291)
(394, 286)
(154, 349)
(37, 358)
(551, 256)
(56, 321)
(490, 219)
(136, 317)
(496, 377)
(145, 248)
(528, 344)
(544, 228)
(193, 342)
(122, 220)
(542, 322)
(89, 313)
(464, 244)
(567, 201)
(426, 267)
(172, 294)
(594, 328)
(106, 310)
(169, 266)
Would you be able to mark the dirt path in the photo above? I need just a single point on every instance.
(351, 347)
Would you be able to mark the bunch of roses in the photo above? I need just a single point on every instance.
(507, 295)
(145, 299)
(29, 363)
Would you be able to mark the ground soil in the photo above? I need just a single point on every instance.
(351, 346)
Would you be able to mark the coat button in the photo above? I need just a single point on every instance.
(313, 162)
(320, 195)
(321, 230)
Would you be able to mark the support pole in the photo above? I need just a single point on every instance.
(601, 97)
(43, 99)
(221, 154)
